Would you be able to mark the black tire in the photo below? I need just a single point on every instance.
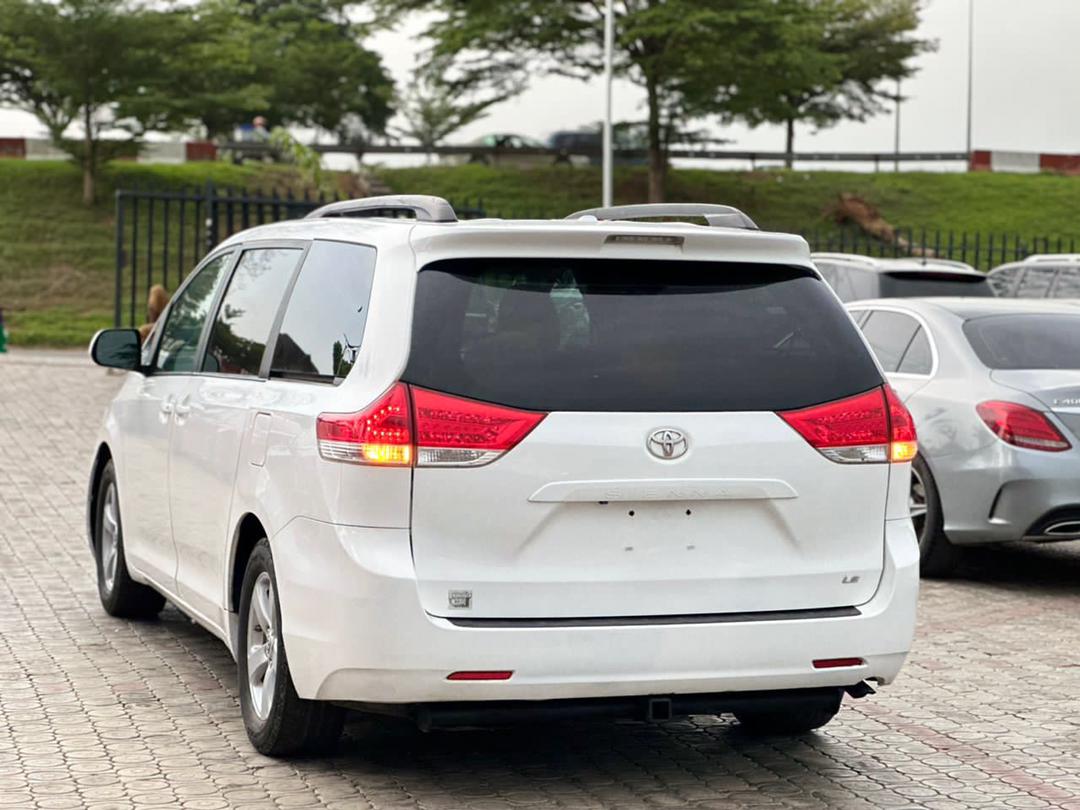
(791, 719)
(121, 596)
(937, 556)
(290, 724)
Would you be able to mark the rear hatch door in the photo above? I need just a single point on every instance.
(661, 480)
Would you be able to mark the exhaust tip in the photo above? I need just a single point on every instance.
(1063, 528)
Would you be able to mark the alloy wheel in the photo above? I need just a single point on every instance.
(110, 538)
(917, 503)
(262, 646)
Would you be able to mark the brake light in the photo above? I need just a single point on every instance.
(380, 434)
(456, 432)
(414, 426)
(874, 427)
(1022, 426)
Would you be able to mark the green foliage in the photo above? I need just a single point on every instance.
(297, 62)
(828, 61)
(434, 110)
(82, 60)
(289, 150)
(693, 58)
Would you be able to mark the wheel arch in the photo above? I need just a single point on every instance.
(102, 456)
(249, 531)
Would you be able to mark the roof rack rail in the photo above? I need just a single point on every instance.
(423, 207)
(724, 216)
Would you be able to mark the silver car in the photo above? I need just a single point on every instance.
(994, 386)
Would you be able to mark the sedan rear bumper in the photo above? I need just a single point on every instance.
(1003, 493)
(355, 631)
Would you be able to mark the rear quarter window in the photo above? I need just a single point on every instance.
(611, 335)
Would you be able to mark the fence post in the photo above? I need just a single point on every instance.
(211, 216)
(118, 296)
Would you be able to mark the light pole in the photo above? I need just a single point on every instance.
(971, 72)
(896, 141)
(609, 60)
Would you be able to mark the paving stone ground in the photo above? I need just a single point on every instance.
(102, 713)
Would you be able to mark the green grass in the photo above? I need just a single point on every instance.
(1043, 205)
(57, 257)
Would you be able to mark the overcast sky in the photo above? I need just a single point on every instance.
(1027, 88)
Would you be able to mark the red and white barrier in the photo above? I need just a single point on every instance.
(986, 160)
(151, 152)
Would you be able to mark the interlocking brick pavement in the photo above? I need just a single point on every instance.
(102, 713)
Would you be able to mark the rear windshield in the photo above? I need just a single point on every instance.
(614, 335)
(922, 285)
(1026, 341)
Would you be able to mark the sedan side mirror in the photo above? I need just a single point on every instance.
(116, 348)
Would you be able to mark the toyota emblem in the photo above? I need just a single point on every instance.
(667, 444)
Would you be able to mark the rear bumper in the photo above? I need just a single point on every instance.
(354, 631)
(1003, 493)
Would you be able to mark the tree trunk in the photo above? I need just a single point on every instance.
(789, 150)
(657, 150)
(89, 157)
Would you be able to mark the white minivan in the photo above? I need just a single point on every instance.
(473, 472)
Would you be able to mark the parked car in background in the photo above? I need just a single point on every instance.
(582, 147)
(517, 151)
(1041, 276)
(994, 386)
(857, 277)
(470, 471)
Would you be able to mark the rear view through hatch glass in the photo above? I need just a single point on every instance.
(616, 335)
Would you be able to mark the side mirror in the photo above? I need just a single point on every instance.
(116, 348)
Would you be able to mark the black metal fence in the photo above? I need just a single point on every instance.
(162, 235)
(983, 250)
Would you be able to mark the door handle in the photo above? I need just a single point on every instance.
(183, 407)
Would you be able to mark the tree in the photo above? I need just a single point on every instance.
(317, 71)
(687, 55)
(79, 61)
(434, 110)
(212, 78)
(828, 64)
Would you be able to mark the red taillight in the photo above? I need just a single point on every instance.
(873, 427)
(480, 675)
(902, 439)
(380, 434)
(836, 663)
(415, 426)
(1022, 426)
(451, 431)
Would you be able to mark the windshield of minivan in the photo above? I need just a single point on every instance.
(929, 284)
(1027, 341)
(621, 335)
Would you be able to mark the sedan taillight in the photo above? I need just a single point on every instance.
(414, 426)
(1022, 426)
(873, 428)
